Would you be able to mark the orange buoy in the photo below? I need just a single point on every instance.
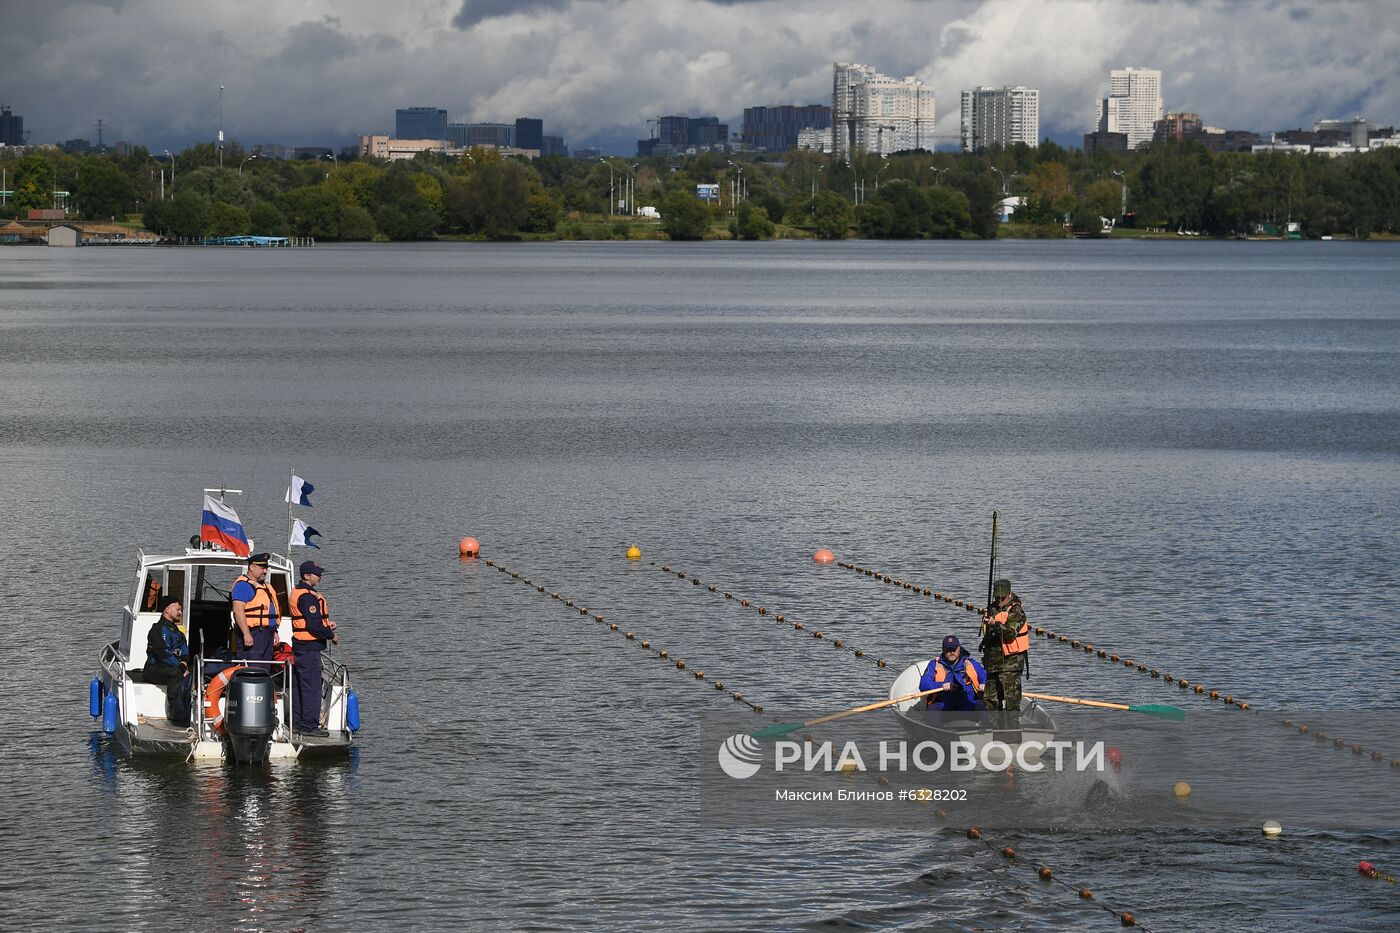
(468, 547)
(824, 556)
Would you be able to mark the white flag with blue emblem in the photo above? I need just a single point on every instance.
(299, 493)
(302, 533)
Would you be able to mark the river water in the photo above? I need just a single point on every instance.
(1193, 449)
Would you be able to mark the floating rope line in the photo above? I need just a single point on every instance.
(646, 644)
(1125, 917)
(1141, 667)
(779, 618)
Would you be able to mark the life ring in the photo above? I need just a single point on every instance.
(213, 712)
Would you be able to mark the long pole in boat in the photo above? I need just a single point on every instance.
(992, 568)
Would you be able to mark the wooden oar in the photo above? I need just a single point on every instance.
(1174, 713)
(785, 727)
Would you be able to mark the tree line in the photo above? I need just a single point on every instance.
(1173, 186)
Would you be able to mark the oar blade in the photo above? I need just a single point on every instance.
(773, 732)
(1174, 713)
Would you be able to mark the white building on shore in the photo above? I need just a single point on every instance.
(872, 112)
(1133, 104)
(1000, 116)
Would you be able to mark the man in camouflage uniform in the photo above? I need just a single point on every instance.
(1005, 645)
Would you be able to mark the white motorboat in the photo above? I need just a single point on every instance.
(134, 713)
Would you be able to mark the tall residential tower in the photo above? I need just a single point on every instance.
(1133, 104)
(1000, 116)
(872, 112)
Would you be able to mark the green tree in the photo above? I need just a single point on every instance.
(493, 201)
(875, 219)
(228, 220)
(1104, 197)
(752, 223)
(32, 180)
(832, 215)
(684, 216)
(103, 189)
(355, 223)
(266, 220)
(541, 211)
(404, 213)
(189, 215)
(312, 211)
(949, 213)
(908, 210)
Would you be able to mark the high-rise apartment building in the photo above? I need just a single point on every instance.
(11, 128)
(775, 129)
(872, 112)
(1000, 116)
(420, 123)
(529, 133)
(1133, 104)
(1177, 126)
(491, 135)
(677, 134)
(553, 146)
(457, 135)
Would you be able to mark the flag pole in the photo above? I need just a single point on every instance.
(291, 471)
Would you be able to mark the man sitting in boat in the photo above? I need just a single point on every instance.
(168, 660)
(961, 676)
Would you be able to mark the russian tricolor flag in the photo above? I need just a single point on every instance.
(299, 493)
(220, 525)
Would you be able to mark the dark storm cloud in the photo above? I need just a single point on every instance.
(477, 11)
(323, 71)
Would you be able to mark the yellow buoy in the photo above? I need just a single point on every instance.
(634, 553)
(1182, 789)
(1273, 828)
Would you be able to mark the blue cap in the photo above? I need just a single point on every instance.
(951, 643)
(309, 567)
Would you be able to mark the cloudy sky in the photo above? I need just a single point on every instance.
(317, 72)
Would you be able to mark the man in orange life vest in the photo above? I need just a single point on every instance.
(311, 627)
(1006, 642)
(255, 612)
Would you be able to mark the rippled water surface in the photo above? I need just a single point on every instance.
(1193, 448)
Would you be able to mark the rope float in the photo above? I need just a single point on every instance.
(778, 617)
(1090, 650)
(645, 643)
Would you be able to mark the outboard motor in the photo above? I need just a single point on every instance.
(250, 714)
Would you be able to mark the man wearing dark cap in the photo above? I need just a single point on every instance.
(1006, 642)
(168, 660)
(960, 676)
(254, 611)
(311, 628)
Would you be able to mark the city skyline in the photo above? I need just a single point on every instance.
(1239, 64)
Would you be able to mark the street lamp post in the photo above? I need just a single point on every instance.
(939, 172)
(815, 176)
(221, 126)
(877, 175)
(245, 162)
(172, 176)
(1123, 183)
(1003, 178)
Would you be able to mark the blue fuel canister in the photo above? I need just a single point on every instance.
(352, 712)
(95, 697)
(109, 714)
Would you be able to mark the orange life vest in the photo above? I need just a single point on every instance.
(258, 610)
(969, 671)
(1020, 643)
(299, 631)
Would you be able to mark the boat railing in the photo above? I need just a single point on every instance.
(282, 679)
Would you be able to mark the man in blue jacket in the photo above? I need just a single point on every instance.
(960, 673)
(311, 628)
(168, 660)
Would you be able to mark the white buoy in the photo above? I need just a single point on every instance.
(1273, 828)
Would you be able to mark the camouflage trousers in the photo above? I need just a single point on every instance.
(1004, 686)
